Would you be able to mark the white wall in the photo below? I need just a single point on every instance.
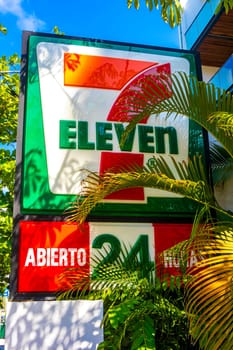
(224, 194)
(208, 72)
(54, 325)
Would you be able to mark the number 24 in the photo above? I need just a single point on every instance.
(140, 249)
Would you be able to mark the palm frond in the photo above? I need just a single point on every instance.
(171, 11)
(192, 183)
(223, 121)
(210, 289)
(136, 307)
(209, 286)
(126, 271)
(210, 107)
(182, 251)
(221, 163)
(109, 183)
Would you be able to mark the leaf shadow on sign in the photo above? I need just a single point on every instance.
(53, 325)
(39, 190)
(36, 187)
(31, 183)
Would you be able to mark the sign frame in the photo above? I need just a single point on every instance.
(32, 167)
(167, 210)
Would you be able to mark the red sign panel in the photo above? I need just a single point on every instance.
(167, 236)
(49, 248)
(46, 250)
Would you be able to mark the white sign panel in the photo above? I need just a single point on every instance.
(79, 130)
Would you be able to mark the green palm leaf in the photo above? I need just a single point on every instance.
(221, 163)
(209, 292)
(171, 11)
(210, 289)
(192, 183)
(126, 271)
(139, 313)
(210, 107)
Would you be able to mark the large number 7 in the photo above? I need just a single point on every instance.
(132, 94)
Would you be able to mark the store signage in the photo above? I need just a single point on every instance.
(47, 249)
(75, 89)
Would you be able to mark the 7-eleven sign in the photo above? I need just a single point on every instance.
(121, 75)
(77, 110)
(88, 86)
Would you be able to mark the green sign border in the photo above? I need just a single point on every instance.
(36, 197)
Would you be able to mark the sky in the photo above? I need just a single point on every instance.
(95, 19)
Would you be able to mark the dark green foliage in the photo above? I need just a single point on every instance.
(9, 90)
(171, 11)
(140, 312)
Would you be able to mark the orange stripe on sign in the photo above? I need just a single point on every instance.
(100, 72)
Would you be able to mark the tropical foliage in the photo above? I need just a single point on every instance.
(9, 91)
(208, 293)
(9, 100)
(3, 29)
(140, 311)
(171, 11)
(205, 104)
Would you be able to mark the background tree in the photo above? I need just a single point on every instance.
(9, 91)
(9, 99)
(3, 29)
(171, 10)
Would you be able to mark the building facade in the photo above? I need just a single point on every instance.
(208, 29)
